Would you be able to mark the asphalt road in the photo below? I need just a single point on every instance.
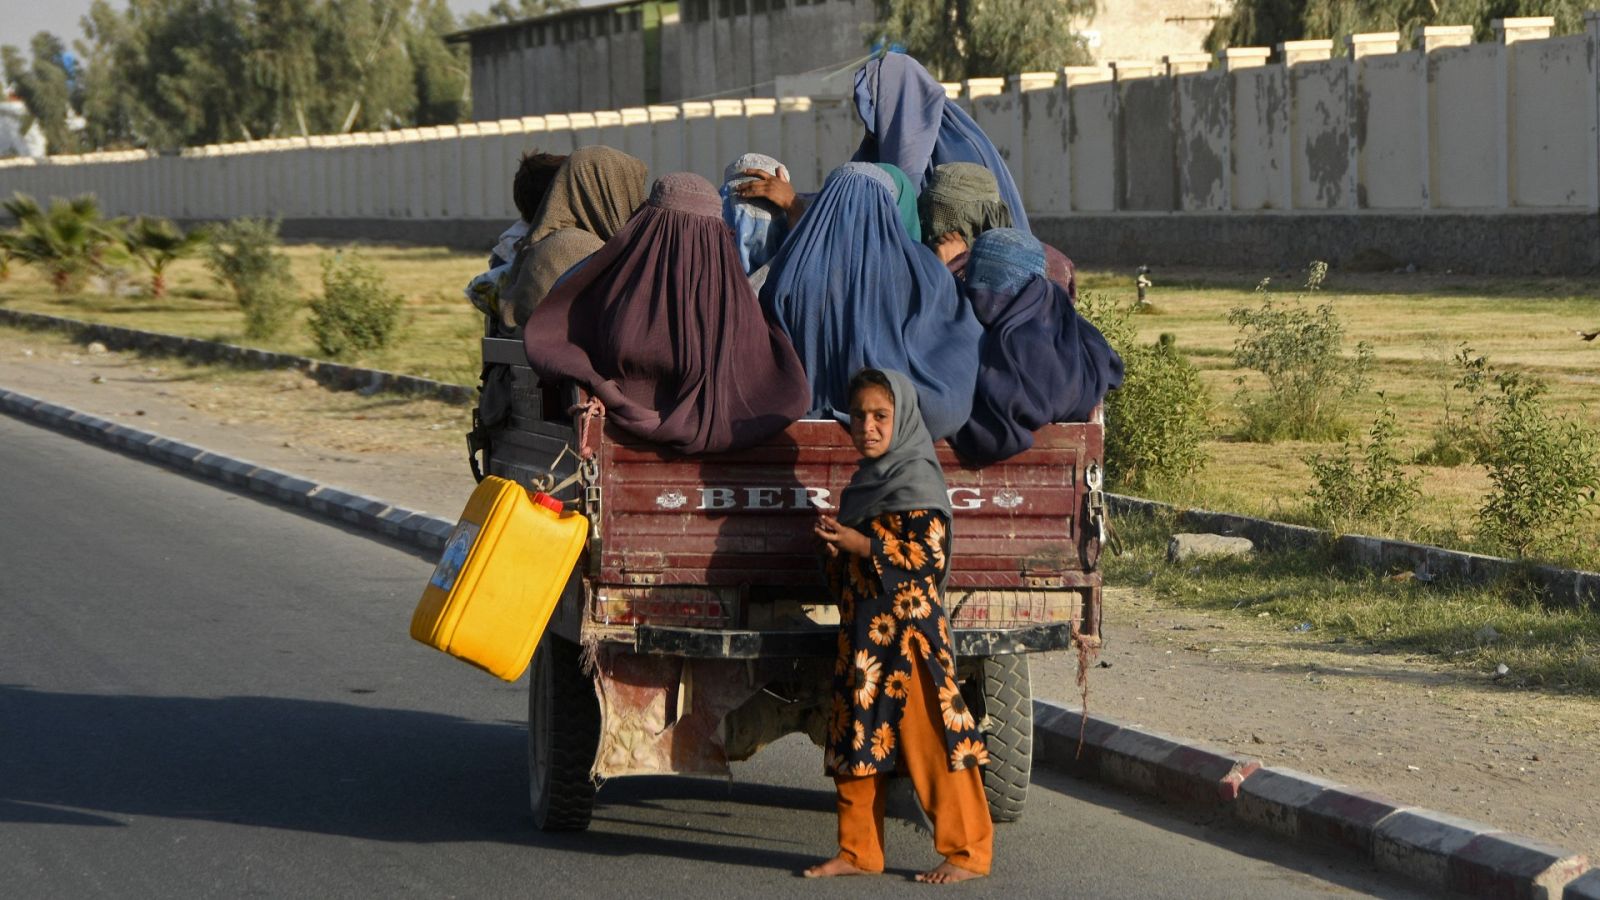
(205, 695)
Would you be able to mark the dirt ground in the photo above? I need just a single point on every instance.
(1397, 725)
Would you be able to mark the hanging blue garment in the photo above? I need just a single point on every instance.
(852, 290)
(1040, 362)
(912, 124)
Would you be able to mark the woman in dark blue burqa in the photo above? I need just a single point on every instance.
(854, 291)
(1039, 361)
(911, 123)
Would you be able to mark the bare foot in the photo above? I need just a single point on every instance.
(947, 873)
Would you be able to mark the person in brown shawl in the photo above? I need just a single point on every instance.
(962, 201)
(592, 196)
(661, 325)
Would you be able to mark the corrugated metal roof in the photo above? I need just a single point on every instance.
(581, 12)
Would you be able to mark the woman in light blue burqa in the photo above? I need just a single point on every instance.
(759, 226)
(853, 290)
(911, 123)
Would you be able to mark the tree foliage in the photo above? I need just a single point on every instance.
(172, 73)
(47, 85)
(1265, 23)
(959, 39)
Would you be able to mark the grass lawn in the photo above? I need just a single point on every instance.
(439, 339)
(1415, 323)
(1316, 600)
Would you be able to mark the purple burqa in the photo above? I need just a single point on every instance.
(662, 326)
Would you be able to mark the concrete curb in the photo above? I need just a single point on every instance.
(409, 527)
(329, 374)
(1571, 588)
(1442, 852)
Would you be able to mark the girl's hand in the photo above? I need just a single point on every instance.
(836, 537)
(949, 246)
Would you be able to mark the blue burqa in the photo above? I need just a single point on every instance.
(911, 123)
(853, 290)
(1040, 361)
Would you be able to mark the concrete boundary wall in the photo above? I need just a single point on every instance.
(1503, 128)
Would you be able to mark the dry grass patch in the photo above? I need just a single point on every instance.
(438, 338)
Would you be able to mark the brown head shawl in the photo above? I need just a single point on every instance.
(663, 327)
(591, 198)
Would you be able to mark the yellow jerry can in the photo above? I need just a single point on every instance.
(500, 577)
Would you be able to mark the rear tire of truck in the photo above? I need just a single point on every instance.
(1007, 697)
(563, 734)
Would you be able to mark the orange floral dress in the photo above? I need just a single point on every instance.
(891, 618)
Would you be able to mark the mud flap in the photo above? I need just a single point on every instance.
(661, 715)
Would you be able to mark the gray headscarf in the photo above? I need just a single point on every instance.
(906, 477)
(964, 198)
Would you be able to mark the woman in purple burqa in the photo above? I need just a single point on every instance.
(1039, 361)
(661, 325)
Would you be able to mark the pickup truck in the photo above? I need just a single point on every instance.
(695, 629)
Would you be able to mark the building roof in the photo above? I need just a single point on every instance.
(580, 12)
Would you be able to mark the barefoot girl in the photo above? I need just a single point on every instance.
(896, 704)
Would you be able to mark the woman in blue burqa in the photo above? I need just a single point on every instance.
(911, 123)
(853, 290)
(1040, 361)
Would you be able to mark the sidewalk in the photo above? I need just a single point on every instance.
(1400, 726)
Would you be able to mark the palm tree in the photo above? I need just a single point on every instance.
(67, 240)
(156, 243)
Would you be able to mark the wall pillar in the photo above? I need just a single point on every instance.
(1091, 93)
(1043, 168)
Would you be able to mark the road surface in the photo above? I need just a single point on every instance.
(205, 695)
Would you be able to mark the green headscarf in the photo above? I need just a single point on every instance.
(905, 198)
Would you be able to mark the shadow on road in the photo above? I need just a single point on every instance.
(338, 768)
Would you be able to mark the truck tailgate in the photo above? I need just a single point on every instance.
(740, 519)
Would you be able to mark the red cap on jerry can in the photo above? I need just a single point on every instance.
(548, 502)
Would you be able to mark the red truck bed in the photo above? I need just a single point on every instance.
(723, 542)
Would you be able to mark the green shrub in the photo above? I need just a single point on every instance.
(243, 254)
(1544, 470)
(1301, 353)
(1374, 494)
(1463, 434)
(69, 240)
(157, 243)
(356, 311)
(1158, 421)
